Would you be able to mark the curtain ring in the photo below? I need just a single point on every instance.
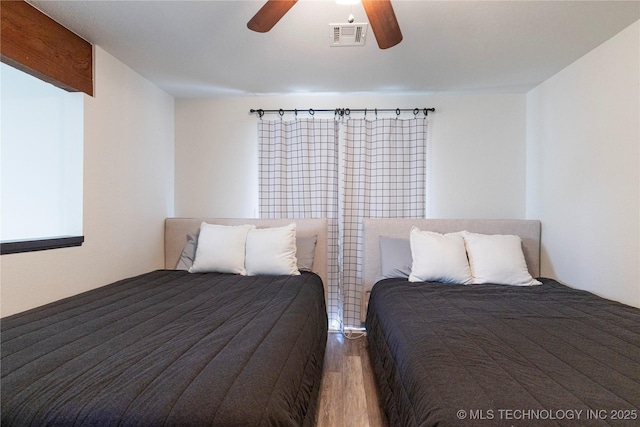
(295, 112)
(415, 112)
(365, 113)
(281, 112)
(260, 113)
(311, 112)
(426, 112)
(347, 112)
(397, 111)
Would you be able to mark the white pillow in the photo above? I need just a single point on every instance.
(272, 251)
(497, 259)
(221, 249)
(438, 257)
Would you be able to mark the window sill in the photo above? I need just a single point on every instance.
(15, 247)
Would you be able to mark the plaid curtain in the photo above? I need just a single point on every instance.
(298, 178)
(373, 169)
(384, 176)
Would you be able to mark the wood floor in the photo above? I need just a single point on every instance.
(349, 396)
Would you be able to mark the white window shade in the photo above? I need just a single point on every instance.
(41, 141)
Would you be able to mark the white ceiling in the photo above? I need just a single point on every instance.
(203, 48)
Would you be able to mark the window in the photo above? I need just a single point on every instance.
(41, 149)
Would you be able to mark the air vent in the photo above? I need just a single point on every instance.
(348, 34)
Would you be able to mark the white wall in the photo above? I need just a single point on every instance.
(476, 151)
(583, 163)
(128, 192)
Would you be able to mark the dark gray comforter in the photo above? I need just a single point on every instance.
(485, 355)
(169, 348)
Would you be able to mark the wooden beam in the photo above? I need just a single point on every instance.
(36, 44)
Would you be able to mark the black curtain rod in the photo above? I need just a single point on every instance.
(342, 112)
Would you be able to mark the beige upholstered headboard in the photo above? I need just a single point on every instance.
(528, 230)
(176, 230)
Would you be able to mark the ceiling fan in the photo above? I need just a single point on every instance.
(381, 16)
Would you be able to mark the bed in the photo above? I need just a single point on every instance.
(179, 348)
(448, 354)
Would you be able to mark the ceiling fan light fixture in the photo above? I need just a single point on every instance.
(380, 13)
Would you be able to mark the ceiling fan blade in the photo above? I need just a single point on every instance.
(269, 15)
(383, 22)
